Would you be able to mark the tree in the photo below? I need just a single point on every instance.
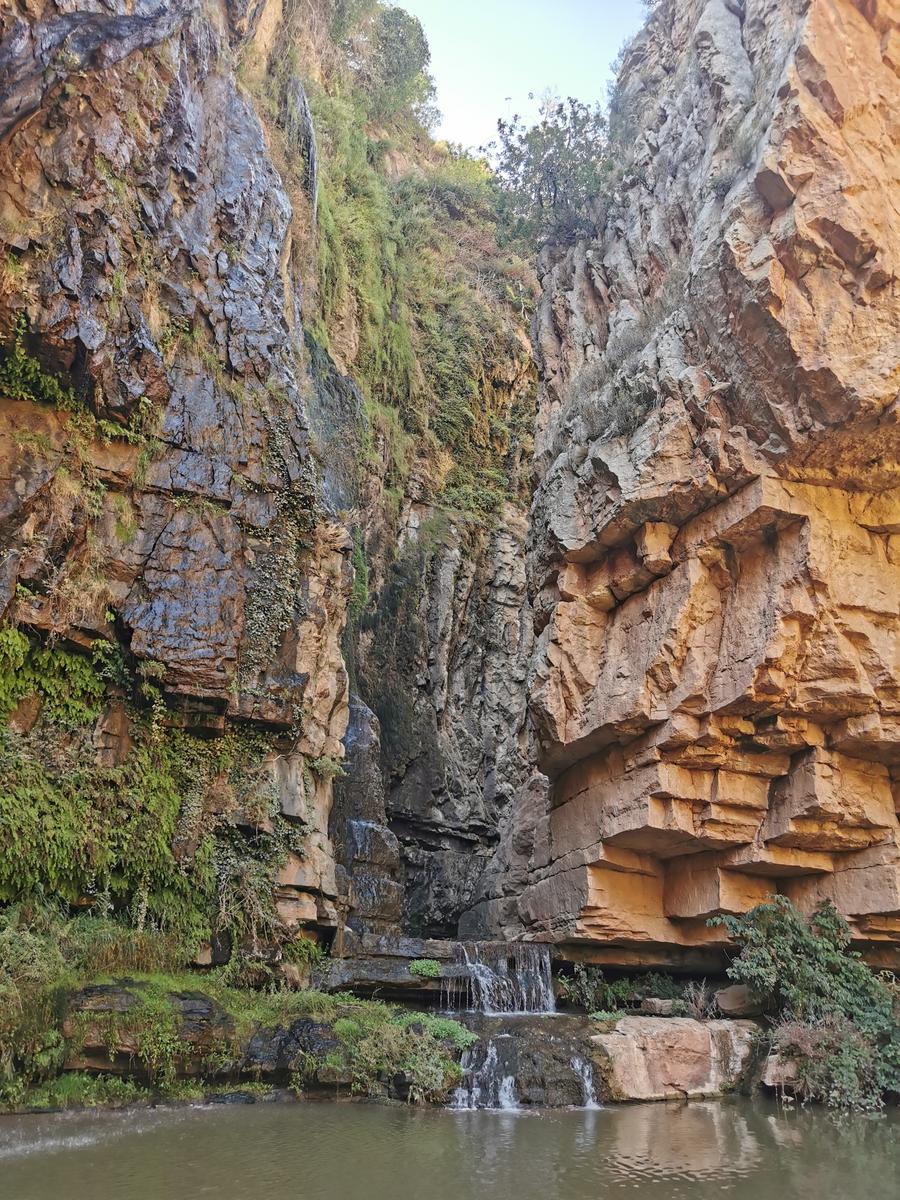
(552, 172)
(399, 63)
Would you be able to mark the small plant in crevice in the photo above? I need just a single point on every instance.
(425, 968)
(699, 1000)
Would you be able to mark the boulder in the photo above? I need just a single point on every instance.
(779, 1073)
(736, 1001)
(655, 1007)
(654, 1058)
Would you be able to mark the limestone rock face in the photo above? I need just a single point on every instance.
(713, 554)
(668, 1058)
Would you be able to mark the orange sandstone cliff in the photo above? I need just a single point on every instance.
(714, 556)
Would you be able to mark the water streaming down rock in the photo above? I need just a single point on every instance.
(500, 978)
(488, 1076)
(527, 1062)
(585, 1073)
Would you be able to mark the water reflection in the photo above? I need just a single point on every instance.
(345, 1152)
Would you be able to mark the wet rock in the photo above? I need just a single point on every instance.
(524, 1062)
(276, 1053)
(779, 1073)
(164, 300)
(364, 845)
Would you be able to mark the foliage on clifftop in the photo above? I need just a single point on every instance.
(553, 172)
(836, 1019)
(412, 294)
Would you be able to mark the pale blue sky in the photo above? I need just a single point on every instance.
(487, 55)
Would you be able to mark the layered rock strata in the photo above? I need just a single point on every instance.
(173, 504)
(194, 501)
(714, 552)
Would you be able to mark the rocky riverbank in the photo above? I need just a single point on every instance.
(158, 1038)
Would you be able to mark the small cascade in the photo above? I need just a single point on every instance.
(501, 978)
(487, 1079)
(585, 1073)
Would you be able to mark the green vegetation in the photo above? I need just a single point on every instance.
(45, 956)
(416, 258)
(23, 378)
(185, 835)
(835, 1017)
(553, 172)
(78, 1089)
(413, 293)
(589, 988)
(378, 1043)
(425, 968)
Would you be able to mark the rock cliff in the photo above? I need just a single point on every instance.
(713, 553)
(215, 491)
(274, 613)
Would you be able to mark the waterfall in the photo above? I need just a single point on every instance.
(585, 1073)
(488, 1081)
(501, 978)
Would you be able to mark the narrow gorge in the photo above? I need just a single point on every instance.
(397, 608)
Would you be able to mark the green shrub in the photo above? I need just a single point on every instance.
(589, 988)
(23, 378)
(69, 685)
(553, 172)
(443, 1028)
(138, 836)
(838, 1018)
(378, 1044)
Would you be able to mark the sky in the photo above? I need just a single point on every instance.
(487, 55)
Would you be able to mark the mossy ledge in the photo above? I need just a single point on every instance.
(97, 1014)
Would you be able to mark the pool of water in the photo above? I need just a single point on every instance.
(369, 1152)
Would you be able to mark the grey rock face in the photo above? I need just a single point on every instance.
(443, 663)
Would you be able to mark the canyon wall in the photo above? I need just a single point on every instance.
(273, 609)
(169, 504)
(714, 557)
(442, 662)
(203, 513)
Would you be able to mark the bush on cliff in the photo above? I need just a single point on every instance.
(425, 968)
(590, 989)
(553, 171)
(835, 1017)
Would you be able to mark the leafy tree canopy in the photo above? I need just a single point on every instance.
(552, 172)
